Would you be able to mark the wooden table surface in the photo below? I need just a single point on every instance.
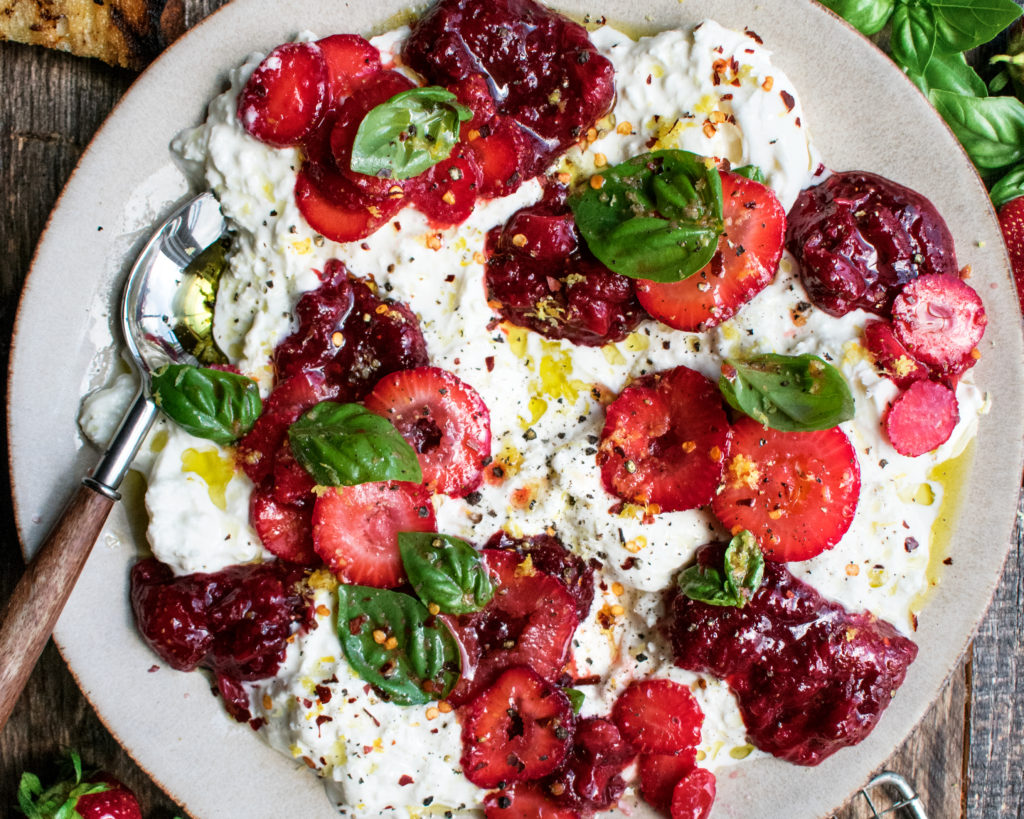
(966, 758)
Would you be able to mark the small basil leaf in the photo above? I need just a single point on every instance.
(744, 566)
(213, 404)
(346, 444)
(750, 172)
(423, 661)
(706, 584)
(965, 24)
(913, 36)
(446, 571)
(991, 129)
(788, 393)
(656, 216)
(576, 698)
(949, 72)
(1009, 186)
(408, 134)
(867, 16)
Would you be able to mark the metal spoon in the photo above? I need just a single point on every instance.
(165, 318)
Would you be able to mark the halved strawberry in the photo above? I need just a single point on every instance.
(694, 795)
(519, 729)
(922, 418)
(355, 529)
(351, 61)
(291, 482)
(525, 800)
(664, 441)
(544, 234)
(1011, 220)
(444, 419)
(892, 359)
(286, 529)
(283, 101)
(940, 319)
(660, 773)
(530, 621)
(500, 149)
(744, 264)
(474, 92)
(796, 491)
(659, 716)
(319, 206)
(591, 777)
(447, 192)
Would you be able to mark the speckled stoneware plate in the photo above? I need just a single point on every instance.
(863, 114)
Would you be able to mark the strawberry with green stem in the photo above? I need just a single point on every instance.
(78, 795)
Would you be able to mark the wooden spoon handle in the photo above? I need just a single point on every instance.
(31, 613)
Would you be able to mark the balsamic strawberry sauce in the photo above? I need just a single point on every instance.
(809, 676)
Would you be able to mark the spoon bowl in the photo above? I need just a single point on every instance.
(163, 321)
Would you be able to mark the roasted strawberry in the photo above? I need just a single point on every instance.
(892, 359)
(499, 147)
(659, 716)
(284, 99)
(444, 419)
(351, 61)
(796, 491)
(664, 441)
(744, 264)
(660, 773)
(591, 778)
(79, 795)
(518, 729)
(1011, 220)
(355, 529)
(447, 192)
(285, 527)
(693, 795)
(473, 92)
(291, 482)
(940, 320)
(922, 418)
(328, 213)
(525, 800)
(530, 621)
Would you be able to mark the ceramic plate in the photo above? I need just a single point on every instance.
(863, 113)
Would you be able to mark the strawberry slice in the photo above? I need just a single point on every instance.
(447, 192)
(525, 800)
(796, 491)
(284, 99)
(892, 359)
(355, 529)
(940, 319)
(922, 418)
(474, 92)
(521, 728)
(320, 204)
(744, 264)
(286, 529)
(444, 419)
(664, 441)
(658, 716)
(1011, 220)
(694, 795)
(660, 773)
(530, 621)
(500, 149)
(351, 61)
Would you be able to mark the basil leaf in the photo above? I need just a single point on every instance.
(446, 571)
(656, 216)
(965, 24)
(741, 576)
(913, 36)
(788, 393)
(576, 698)
(213, 404)
(346, 444)
(867, 16)
(411, 132)
(423, 661)
(744, 566)
(750, 172)
(1009, 186)
(949, 72)
(991, 129)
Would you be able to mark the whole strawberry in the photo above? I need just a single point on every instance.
(1011, 220)
(77, 796)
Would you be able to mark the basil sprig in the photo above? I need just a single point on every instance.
(736, 582)
(656, 216)
(346, 445)
(213, 404)
(867, 16)
(750, 172)
(445, 570)
(396, 645)
(411, 132)
(788, 393)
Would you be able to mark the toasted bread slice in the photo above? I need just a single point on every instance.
(127, 33)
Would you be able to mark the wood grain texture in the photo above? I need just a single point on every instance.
(966, 757)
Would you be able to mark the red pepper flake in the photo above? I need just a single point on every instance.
(489, 361)
(947, 562)
(367, 749)
(726, 97)
(153, 668)
(787, 99)
(649, 79)
(753, 36)
(322, 719)
(404, 780)
(323, 693)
